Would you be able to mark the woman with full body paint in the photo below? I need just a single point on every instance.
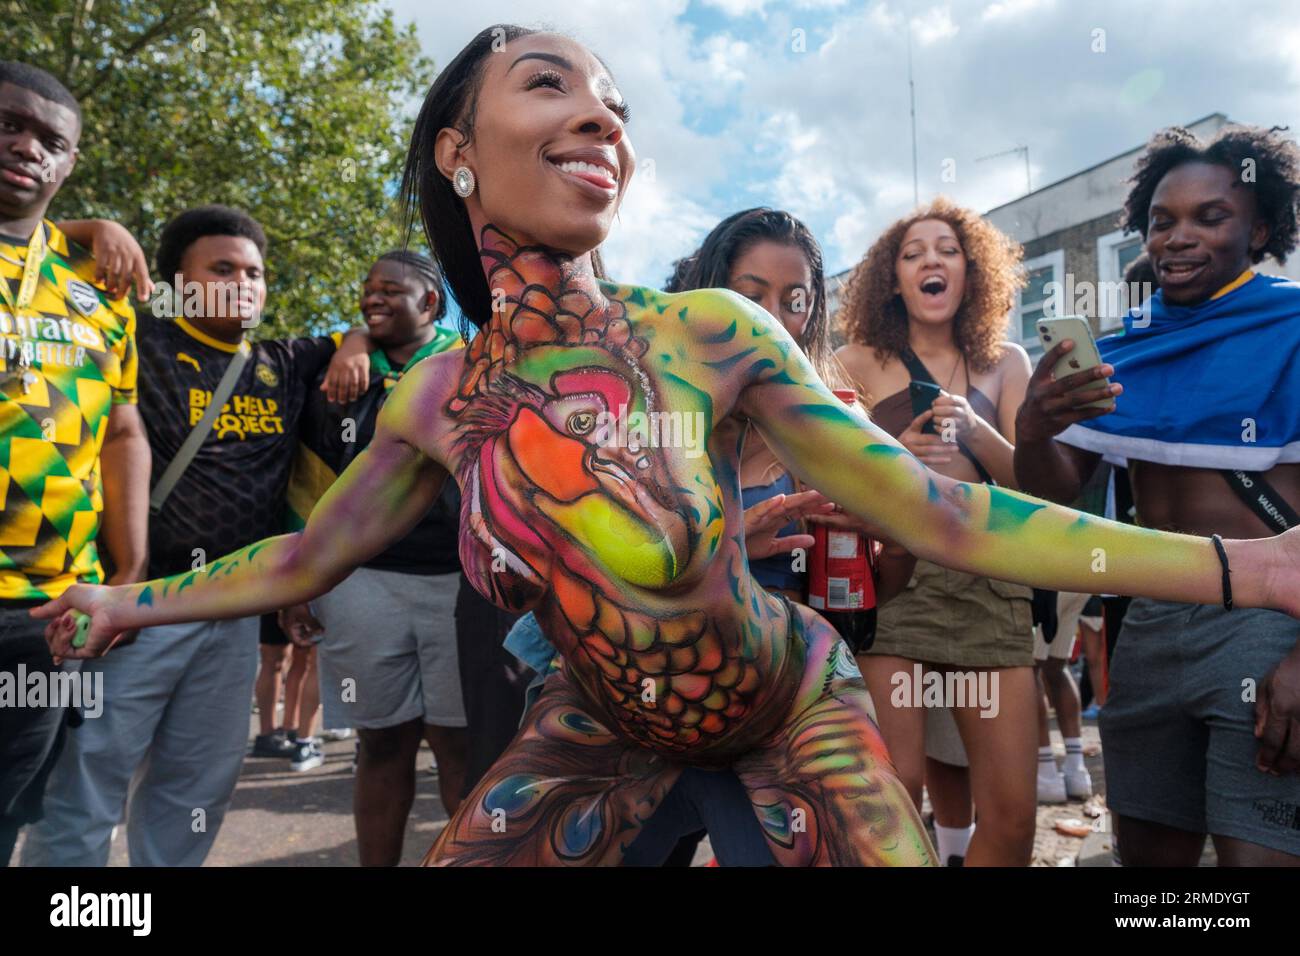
(935, 289)
(625, 540)
(772, 259)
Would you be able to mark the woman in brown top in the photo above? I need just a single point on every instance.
(934, 291)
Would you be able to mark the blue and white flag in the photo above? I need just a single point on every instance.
(1215, 385)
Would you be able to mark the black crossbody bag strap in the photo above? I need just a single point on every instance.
(916, 368)
(1262, 498)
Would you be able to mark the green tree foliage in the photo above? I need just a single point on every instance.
(295, 110)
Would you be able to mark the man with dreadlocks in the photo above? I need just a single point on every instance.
(1202, 725)
(388, 660)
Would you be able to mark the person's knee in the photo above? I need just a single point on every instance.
(1234, 852)
(912, 777)
(1146, 843)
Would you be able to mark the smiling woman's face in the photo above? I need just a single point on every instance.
(548, 149)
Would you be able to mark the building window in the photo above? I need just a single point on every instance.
(1115, 251)
(1036, 298)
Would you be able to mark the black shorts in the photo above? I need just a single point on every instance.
(271, 633)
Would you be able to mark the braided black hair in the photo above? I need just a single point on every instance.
(426, 269)
(1274, 159)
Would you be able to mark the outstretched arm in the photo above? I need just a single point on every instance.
(376, 501)
(978, 528)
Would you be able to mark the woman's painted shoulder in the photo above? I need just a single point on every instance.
(711, 315)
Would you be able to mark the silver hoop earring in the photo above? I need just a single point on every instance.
(463, 181)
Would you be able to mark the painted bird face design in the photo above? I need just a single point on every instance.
(553, 472)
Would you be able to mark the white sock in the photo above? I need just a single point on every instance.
(1047, 768)
(1073, 754)
(953, 841)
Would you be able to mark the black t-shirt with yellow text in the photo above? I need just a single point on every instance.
(232, 493)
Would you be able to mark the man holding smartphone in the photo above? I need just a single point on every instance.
(1202, 726)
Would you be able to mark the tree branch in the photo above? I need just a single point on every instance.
(170, 22)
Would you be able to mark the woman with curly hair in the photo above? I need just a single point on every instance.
(628, 539)
(931, 296)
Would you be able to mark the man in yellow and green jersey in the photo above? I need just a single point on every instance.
(74, 460)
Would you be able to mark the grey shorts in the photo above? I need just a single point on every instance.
(1178, 727)
(388, 655)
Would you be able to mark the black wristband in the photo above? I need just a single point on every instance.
(1227, 572)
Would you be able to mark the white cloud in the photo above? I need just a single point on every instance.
(934, 25)
(656, 226)
(1008, 9)
(723, 57)
(1025, 76)
(737, 8)
(742, 8)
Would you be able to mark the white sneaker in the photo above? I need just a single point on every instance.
(1078, 784)
(336, 733)
(1051, 789)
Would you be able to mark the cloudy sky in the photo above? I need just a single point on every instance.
(803, 104)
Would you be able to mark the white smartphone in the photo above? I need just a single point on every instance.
(1082, 357)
